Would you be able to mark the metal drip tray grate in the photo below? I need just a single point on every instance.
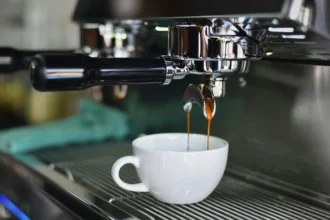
(233, 199)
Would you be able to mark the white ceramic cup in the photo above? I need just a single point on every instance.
(170, 173)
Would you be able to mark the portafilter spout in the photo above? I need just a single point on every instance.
(198, 95)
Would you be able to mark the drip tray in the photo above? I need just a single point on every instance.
(233, 199)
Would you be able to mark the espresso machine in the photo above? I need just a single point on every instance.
(265, 66)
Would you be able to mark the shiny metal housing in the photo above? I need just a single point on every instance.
(211, 42)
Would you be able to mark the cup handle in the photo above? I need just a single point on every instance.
(139, 187)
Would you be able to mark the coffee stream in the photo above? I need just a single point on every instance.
(209, 116)
(188, 128)
(208, 110)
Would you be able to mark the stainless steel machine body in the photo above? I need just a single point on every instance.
(205, 43)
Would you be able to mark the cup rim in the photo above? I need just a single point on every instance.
(226, 144)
